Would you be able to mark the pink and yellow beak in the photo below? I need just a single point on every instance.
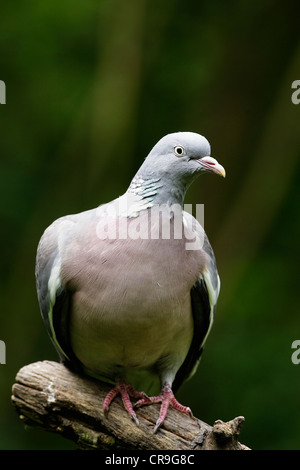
(211, 164)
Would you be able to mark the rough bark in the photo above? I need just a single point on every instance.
(48, 395)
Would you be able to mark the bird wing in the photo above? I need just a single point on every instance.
(204, 296)
(54, 297)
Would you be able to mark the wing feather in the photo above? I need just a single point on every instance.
(53, 297)
(204, 296)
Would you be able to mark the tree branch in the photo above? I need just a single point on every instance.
(48, 395)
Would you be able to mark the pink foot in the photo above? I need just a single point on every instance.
(166, 398)
(126, 391)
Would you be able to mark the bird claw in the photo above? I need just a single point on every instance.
(166, 398)
(125, 391)
(135, 418)
(157, 426)
(146, 401)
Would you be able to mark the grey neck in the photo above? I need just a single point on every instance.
(154, 191)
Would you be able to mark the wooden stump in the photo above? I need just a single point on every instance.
(48, 395)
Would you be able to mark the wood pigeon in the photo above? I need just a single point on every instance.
(128, 290)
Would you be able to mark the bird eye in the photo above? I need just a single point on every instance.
(178, 150)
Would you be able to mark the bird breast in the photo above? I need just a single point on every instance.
(131, 304)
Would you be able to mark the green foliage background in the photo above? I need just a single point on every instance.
(91, 86)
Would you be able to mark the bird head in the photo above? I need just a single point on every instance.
(172, 165)
(183, 154)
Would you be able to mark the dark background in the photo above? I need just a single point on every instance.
(90, 87)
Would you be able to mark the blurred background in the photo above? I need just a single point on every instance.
(90, 87)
